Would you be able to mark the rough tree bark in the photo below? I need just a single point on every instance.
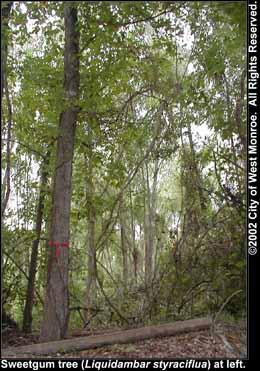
(56, 308)
(27, 315)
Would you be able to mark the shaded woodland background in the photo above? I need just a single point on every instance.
(157, 219)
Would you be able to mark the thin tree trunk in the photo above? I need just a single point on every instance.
(135, 252)
(5, 14)
(123, 244)
(6, 9)
(91, 282)
(195, 170)
(148, 232)
(7, 190)
(27, 316)
(150, 221)
(56, 309)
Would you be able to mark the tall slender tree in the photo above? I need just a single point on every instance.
(91, 282)
(27, 315)
(56, 309)
(6, 10)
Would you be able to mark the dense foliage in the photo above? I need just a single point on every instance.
(158, 200)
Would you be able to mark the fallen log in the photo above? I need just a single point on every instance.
(120, 337)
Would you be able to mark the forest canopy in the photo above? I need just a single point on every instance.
(123, 162)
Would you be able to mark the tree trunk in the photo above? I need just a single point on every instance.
(27, 315)
(119, 337)
(123, 244)
(150, 223)
(91, 282)
(56, 309)
(147, 240)
(195, 171)
(5, 14)
(7, 187)
(135, 252)
(6, 9)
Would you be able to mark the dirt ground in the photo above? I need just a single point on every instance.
(223, 342)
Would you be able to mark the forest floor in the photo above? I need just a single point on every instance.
(227, 341)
